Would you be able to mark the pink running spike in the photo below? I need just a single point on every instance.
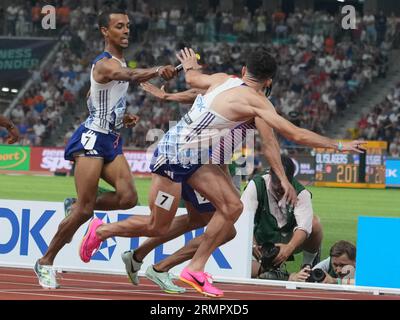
(90, 242)
(200, 281)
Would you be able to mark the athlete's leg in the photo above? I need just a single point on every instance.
(87, 174)
(118, 174)
(189, 250)
(158, 273)
(180, 225)
(163, 201)
(214, 185)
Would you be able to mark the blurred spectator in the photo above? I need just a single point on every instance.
(381, 27)
(321, 69)
(383, 123)
(394, 150)
(63, 14)
(11, 17)
(36, 17)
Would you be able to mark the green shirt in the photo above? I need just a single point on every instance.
(266, 227)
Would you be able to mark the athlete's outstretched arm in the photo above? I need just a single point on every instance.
(264, 109)
(108, 70)
(12, 130)
(193, 75)
(272, 153)
(187, 96)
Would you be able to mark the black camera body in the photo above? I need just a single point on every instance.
(316, 275)
(268, 253)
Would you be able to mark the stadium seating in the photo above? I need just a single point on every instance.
(321, 68)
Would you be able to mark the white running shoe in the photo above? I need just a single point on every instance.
(46, 276)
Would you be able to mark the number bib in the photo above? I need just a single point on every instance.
(164, 200)
(200, 198)
(88, 140)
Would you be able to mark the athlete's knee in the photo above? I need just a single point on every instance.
(128, 200)
(85, 210)
(232, 209)
(231, 234)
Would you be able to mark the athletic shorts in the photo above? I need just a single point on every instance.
(180, 174)
(200, 203)
(93, 144)
(175, 172)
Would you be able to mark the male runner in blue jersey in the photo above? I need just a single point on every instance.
(96, 146)
(228, 103)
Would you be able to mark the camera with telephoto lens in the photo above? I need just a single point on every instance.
(316, 275)
(268, 253)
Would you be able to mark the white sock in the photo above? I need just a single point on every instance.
(308, 257)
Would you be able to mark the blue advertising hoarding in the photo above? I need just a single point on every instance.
(393, 172)
(377, 262)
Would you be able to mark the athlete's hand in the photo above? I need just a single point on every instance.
(290, 195)
(188, 59)
(153, 90)
(167, 72)
(130, 120)
(13, 135)
(356, 146)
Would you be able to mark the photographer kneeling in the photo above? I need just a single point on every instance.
(279, 227)
(338, 268)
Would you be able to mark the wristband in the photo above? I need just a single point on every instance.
(340, 146)
(158, 69)
(10, 126)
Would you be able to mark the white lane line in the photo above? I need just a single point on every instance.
(133, 292)
(284, 295)
(53, 296)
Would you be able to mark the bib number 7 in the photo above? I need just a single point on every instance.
(88, 140)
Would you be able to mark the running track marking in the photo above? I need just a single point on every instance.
(130, 291)
(276, 290)
(93, 285)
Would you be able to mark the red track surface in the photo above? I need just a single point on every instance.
(21, 284)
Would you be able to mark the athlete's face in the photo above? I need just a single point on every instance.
(117, 32)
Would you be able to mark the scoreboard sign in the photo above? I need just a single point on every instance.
(304, 167)
(352, 170)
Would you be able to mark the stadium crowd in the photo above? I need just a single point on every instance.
(383, 123)
(321, 68)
